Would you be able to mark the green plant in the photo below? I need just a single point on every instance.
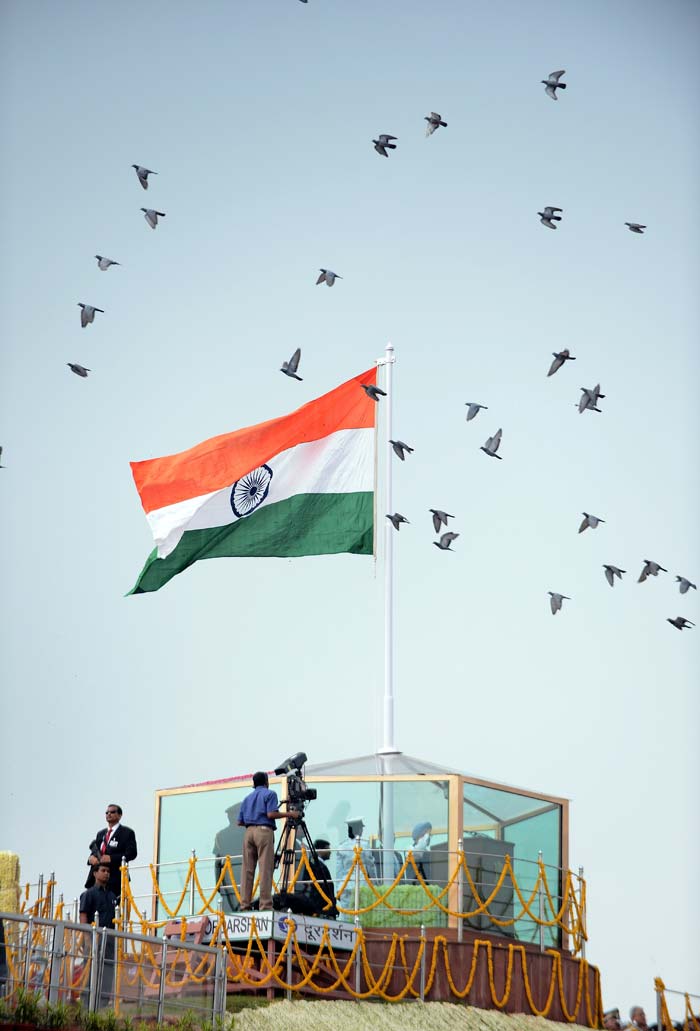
(187, 1022)
(55, 1015)
(27, 1007)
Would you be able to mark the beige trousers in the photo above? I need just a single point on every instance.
(258, 849)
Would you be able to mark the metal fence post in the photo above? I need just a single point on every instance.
(460, 894)
(194, 863)
(219, 1007)
(28, 950)
(422, 963)
(358, 967)
(357, 882)
(58, 953)
(289, 955)
(94, 971)
(161, 986)
(540, 898)
(583, 914)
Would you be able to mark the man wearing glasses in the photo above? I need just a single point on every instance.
(112, 846)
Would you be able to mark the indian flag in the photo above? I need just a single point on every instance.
(299, 485)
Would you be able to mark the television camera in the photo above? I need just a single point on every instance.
(298, 794)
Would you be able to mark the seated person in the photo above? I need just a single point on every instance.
(312, 900)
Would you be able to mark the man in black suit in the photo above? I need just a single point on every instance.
(113, 845)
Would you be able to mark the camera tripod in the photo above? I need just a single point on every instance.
(294, 827)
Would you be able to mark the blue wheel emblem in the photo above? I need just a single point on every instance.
(250, 491)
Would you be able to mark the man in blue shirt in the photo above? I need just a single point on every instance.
(258, 813)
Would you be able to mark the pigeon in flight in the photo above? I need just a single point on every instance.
(635, 227)
(650, 569)
(2, 466)
(611, 572)
(396, 519)
(590, 398)
(552, 84)
(79, 370)
(434, 121)
(151, 216)
(87, 313)
(560, 358)
(290, 368)
(374, 392)
(327, 277)
(684, 584)
(400, 449)
(492, 445)
(440, 518)
(680, 622)
(382, 144)
(444, 543)
(143, 174)
(548, 218)
(589, 520)
(555, 601)
(474, 409)
(104, 263)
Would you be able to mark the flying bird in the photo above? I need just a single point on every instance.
(104, 263)
(79, 370)
(290, 368)
(400, 449)
(635, 227)
(396, 519)
(589, 520)
(474, 409)
(611, 572)
(548, 218)
(382, 144)
(555, 601)
(444, 543)
(151, 216)
(590, 398)
(684, 584)
(327, 277)
(492, 444)
(552, 84)
(650, 569)
(1, 466)
(87, 313)
(680, 622)
(440, 518)
(374, 392)
(143, 174)
(434, 121)
(560, 358)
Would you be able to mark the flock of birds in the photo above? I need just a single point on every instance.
(589, 400)
(88, 311)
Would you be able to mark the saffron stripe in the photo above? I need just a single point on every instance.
(220, 461)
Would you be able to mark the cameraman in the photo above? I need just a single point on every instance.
(259, 810)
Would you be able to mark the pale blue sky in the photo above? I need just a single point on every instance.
(259, 118)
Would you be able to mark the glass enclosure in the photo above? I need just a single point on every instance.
(393, 804)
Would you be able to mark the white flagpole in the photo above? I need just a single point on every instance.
(388, 742)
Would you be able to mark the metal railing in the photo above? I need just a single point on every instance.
(532, 903)
(135, 975)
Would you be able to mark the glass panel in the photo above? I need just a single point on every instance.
(206, 822)
(489, 836)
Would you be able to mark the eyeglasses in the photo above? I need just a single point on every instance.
(111, 812)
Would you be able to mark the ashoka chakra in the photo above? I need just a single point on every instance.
(250, 491)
